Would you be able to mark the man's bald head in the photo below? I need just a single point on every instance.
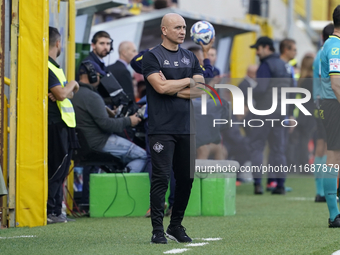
(170, 18)
(127, 50)
(173, 30)
(123, 46)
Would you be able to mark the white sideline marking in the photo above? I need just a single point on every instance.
(196, 244)
(300, 198)
(336, 253)
(209, 239)
(175, 251)
(2, 237)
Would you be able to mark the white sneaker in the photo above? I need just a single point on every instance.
(52, 218)
(64, 217)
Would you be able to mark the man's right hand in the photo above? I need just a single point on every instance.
(134, 120)
(207, 47)
(51, 96)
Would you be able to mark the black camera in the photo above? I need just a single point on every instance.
(113, 94)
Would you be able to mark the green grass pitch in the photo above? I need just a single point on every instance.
(268, 224)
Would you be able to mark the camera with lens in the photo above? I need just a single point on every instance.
(113, 94)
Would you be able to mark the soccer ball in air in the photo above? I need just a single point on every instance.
(202, 31)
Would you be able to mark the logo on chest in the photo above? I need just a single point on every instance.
(185, 60)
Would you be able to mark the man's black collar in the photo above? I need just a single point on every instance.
(53, 62)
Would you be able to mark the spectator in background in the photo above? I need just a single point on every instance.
(212, 55)
(287, 49)
(272, 72)
(287, 53)
(127, 50)
(102, 45)
(135, 7)
(307, 125)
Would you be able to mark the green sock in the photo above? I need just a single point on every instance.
(330, 189)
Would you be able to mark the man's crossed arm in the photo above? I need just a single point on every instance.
(186, 88)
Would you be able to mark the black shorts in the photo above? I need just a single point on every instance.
(330, 115)
(320, 129)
